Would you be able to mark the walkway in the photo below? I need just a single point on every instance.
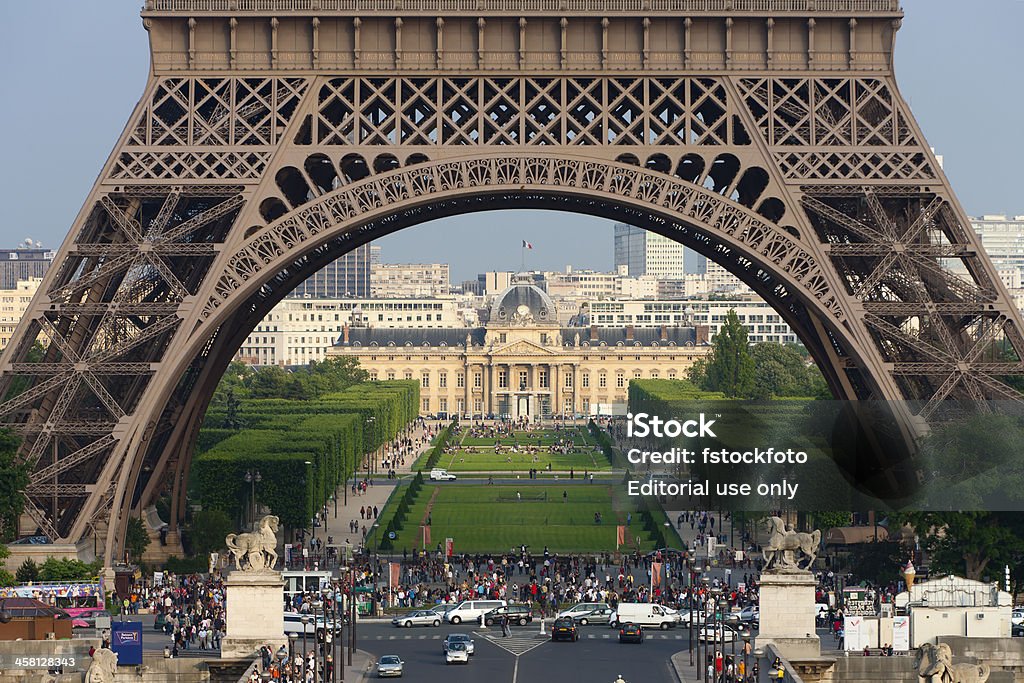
(340, 513)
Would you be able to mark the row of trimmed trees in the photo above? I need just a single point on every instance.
(303, 449)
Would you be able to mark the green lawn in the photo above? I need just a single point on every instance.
(485, 518)
(476, 454)
(462, 461)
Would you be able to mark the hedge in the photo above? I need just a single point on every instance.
(331, 433)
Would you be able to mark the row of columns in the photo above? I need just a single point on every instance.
(489, 390)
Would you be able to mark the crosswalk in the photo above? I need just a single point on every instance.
(518, 643)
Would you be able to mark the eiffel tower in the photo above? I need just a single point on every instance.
(274, 136)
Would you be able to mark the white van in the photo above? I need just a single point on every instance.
(438, 474)
(644, 614)
(471, 610)
(293, 624)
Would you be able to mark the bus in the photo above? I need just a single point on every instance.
(81, 600)
(300, 582)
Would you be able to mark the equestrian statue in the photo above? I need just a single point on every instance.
(256, 548)
(783, 544)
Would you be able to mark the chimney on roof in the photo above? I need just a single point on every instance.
(664, 333)
(344, 334)
(629, 333)
(593, 333)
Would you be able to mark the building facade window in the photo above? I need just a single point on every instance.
(460, 380)
(544, 384)
(478, 380)
(426, 405)
(442, 405)
(523, 381)
(442, 379)
(602, 380)
(503, 379)
(586, 380)
(425, 380)
(408, 374)
(391, 375)
(620, 380)
(568, 380)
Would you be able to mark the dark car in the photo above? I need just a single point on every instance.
(631, 633)
(564, 629)
(1017, 630)
(517, 614)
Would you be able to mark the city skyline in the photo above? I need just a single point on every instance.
(105, 80)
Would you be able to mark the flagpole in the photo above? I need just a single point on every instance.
(522, 258)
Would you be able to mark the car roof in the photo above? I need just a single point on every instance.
(383, 657)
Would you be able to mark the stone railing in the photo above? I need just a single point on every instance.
(767, 7)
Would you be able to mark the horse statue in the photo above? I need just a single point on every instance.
(780, 553)
(934, 664)
(257, 548)
(103, 668)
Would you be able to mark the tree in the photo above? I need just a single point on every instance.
(13, 480)
(67, 569)
(270, 382)
(136, 539)
(973, 544)
(232, 407)
(731, 366)
(6, 578)
(830, 519)
(28, 571)
(208, 530)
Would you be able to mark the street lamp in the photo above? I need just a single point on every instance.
(694, 569)
(746, 651)
(305, 622)
(282, 657)
(703, 631)
(253, 477)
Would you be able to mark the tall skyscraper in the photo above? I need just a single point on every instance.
(346, 277)
(22, 264)
(648, 253)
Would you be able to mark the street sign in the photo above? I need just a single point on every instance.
(392, 535)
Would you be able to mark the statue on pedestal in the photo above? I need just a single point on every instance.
(103, 668)
(934, 664)
(258, 549)
(783, 544)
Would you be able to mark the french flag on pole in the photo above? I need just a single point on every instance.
(527, 245)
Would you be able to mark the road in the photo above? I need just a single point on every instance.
(528, 656)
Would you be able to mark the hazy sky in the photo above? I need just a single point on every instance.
(74, 70)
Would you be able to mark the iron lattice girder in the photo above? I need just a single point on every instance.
(229, 186)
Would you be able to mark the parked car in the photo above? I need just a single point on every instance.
(456, 652)
(421, 617)
(517, 614)
(441, 608)
(564, 628)
(458, 638)
(390, 665)
(1017, 630)
(1017, 616)
(438, 474)
(585, 612)
(631, 633)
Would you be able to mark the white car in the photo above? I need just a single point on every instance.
(455, 639)
(438, 474)
(750, 613)
(717, 634)
(1017, 617)
(456, 652)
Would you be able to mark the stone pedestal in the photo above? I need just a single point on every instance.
(787, 614)
(255, 613)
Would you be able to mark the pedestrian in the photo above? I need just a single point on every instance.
(565, 496)
(505, 630)
(362, 512)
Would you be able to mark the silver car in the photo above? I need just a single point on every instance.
(458, 638)
(418, 618)
(389, 665)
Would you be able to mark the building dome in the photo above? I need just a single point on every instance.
(523, 304)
